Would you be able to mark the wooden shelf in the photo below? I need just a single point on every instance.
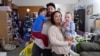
(9, 3)
(14, 6)
(5, 28)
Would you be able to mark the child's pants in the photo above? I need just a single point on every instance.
(41, 36)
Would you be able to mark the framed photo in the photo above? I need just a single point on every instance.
(89, 9)
(58, 9)
(1, 3)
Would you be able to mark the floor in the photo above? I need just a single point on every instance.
(16, 51)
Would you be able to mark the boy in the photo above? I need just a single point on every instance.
(38, 25)
(68, 27)
(68, 30)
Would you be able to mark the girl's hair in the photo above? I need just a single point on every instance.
(52, 17)
(41, 9)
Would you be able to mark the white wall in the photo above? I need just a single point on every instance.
(42, 2)
(96, 9)
(0, 1)
(65, 8)
(64, 5)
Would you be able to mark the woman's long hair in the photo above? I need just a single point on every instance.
(52, 17)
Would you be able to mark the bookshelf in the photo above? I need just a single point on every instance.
(5, 25)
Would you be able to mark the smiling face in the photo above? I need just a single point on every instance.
(57, 18)
(44, 12)
(68, 17)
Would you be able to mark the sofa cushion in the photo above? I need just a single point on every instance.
(89, 46)
(90, 54)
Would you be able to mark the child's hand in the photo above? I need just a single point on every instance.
(70, 43)
(67, 27)
(48, 18)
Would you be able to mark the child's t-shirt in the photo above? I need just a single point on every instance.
(72, 27)
(71, 30)
(38, 24)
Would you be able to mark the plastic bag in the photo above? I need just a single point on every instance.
(27, 51)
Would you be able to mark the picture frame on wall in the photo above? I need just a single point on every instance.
(0, 1)
(1, 4)
(58, 9)
(89, 9)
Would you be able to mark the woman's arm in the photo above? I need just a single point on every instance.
(53, 39)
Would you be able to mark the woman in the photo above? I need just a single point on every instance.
(60, 47)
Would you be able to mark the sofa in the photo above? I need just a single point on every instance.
(91, 48)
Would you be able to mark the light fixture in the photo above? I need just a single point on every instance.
(28, 10)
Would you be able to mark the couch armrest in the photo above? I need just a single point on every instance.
(89, 46)
(96, 38)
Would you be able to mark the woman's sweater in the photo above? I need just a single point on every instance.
(58, 45)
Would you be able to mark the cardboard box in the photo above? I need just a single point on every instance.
(97, 23)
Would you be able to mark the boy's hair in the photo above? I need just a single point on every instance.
(41, 9)
(51, 4)
(68, 13)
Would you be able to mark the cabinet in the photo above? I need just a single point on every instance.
(5, 26)
(79, 19)
(14, 6)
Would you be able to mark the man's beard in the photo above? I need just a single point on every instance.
(49, 14)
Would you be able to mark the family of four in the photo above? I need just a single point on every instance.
(52, 36)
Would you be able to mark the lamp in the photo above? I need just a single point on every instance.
(28, 10)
